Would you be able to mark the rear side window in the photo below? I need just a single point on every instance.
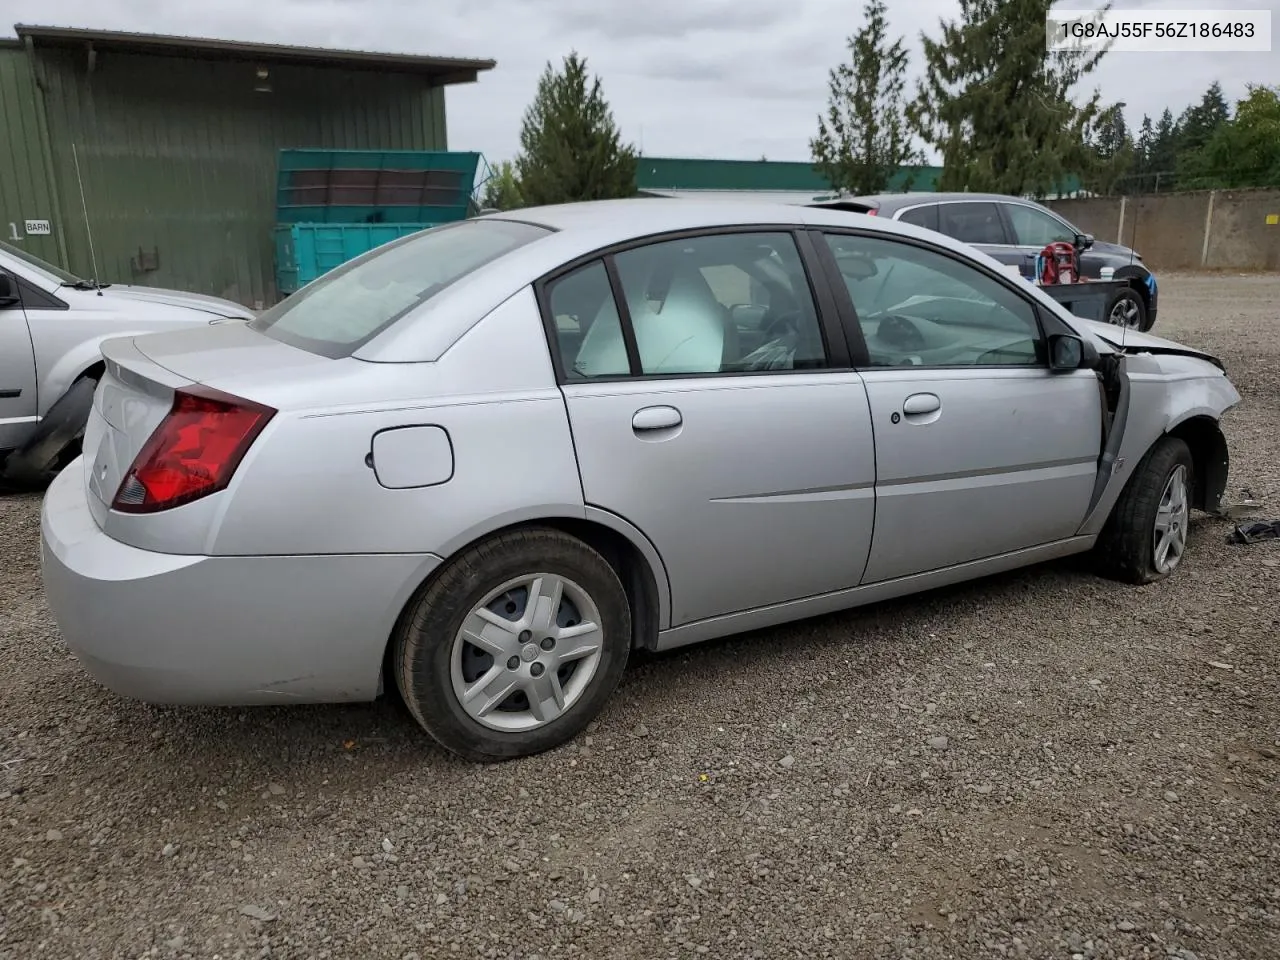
(973, 222)
(349, 306)
(926, 217)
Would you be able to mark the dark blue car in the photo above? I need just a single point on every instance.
(1013, 231)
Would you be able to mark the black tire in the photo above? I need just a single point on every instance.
(1130, 302)
(422, 648)
(1125, 550)
(57, 436)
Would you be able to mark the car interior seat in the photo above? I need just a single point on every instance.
(679, 325)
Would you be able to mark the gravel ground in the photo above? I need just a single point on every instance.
(1043, 764)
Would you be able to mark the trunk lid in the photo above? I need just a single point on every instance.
(226, 353)
(136, 390)
(133, 396)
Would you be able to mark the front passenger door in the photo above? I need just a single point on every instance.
(980, 449)
(1033, 230)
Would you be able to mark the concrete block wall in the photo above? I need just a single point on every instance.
(1209, 230)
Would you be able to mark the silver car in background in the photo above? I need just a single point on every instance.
(481, 464)
(51, 325)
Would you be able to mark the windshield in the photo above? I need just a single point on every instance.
(347, 307)
(45, 269)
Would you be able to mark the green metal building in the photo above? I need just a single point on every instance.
(152, 159)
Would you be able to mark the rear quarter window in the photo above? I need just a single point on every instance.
(346, 308)
(926, 216)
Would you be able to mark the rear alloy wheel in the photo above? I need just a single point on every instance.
(1145, 537)
(1126, 309)
(514, 646)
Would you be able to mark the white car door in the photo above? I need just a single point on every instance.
(981, 450)
(710, 411)
(18, 401)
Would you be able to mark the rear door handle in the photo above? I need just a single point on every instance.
(919, 404)
(656, 418)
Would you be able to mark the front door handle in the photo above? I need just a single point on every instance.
(919, 404)
(656, 418)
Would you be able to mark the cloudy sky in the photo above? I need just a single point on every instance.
(699, 78)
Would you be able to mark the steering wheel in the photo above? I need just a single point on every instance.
(898, 331)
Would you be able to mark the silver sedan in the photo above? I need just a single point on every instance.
(478, 466)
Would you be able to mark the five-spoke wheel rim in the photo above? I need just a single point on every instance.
(526, 652)
(1125, 313)
(1171, 522)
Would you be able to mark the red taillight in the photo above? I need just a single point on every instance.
(194, 451)
(871, 212)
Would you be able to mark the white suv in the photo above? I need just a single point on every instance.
(51, 326)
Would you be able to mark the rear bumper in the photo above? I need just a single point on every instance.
(221, 631)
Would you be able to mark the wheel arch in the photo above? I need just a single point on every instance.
(624, 547)
(1209, 453)
(93, 372)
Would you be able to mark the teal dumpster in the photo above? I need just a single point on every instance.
(304, 251)
(333, 205)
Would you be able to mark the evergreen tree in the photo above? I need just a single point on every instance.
(1113, 152)
(864, 139)
(570, 146)
(1199, 122)
(502, 190)
(1244, 151)
(1164, 152)
(998, 107)
(1142, 149)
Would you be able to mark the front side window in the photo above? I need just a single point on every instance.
(350, 305)
(917, 307)
(725, 303)
(972, 222)
(1035, 228)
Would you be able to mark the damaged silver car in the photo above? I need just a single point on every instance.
(481, 464)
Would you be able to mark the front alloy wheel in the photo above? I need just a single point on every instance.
(1127, 310)
(1170, 538)
(1145, 538)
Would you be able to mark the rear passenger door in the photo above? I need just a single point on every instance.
(713, 406)
(979, 223)
(980, 449)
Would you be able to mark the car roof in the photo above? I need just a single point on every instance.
(579, 230)
(896, 200)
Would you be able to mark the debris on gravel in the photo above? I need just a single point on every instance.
(1041, 764)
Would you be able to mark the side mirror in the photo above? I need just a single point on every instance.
(1084, 241)
(8, 290)
(1068, 353)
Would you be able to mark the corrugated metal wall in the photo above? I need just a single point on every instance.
(177, 157)
(24, 181)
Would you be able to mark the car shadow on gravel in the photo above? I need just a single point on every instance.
(206, 746)
(191, 754)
